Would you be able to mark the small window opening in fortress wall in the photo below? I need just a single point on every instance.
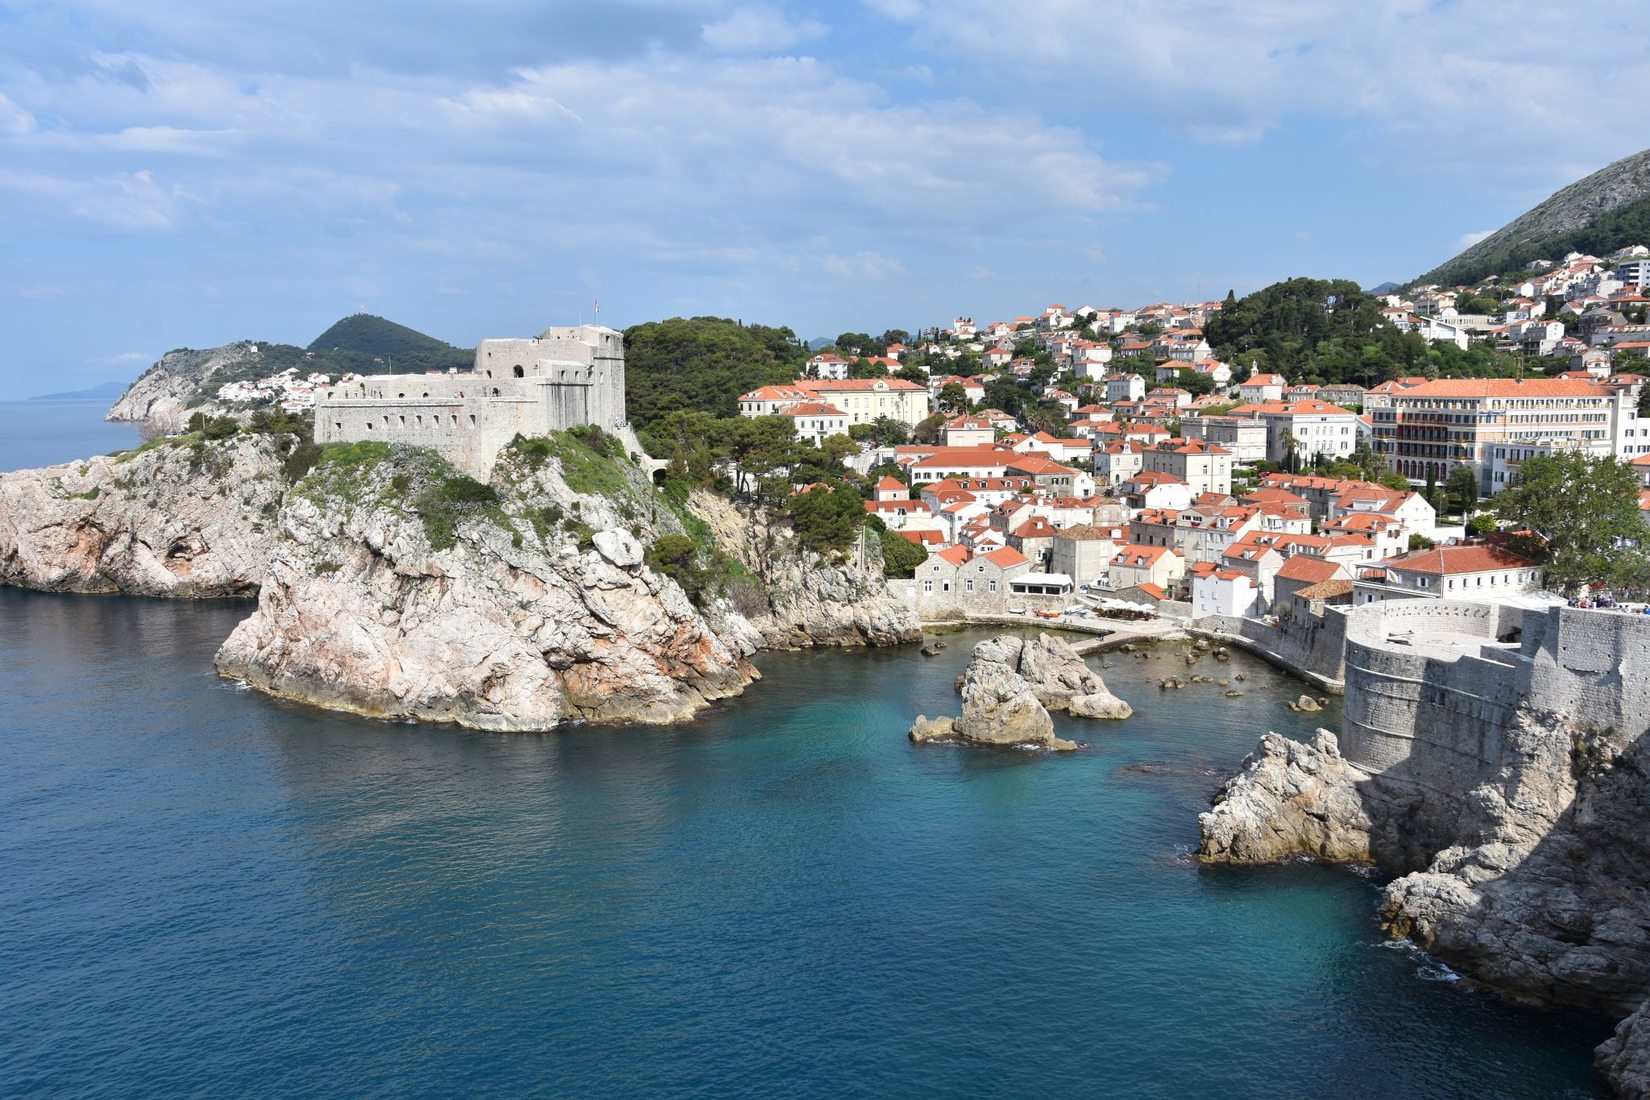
(519, 372)
(403, 422)
(369, 425)
(339, 425)
(426, 393)
(495, 391)
(472, 420)
(401, 395)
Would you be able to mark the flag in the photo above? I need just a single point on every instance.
(598, 305)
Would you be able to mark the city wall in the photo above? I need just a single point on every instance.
(1433, 685)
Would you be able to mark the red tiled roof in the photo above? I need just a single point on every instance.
(1444, 560)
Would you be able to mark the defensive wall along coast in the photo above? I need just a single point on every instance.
(1432, 685)
(562, 378)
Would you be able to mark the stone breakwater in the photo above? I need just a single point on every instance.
(1495, 761)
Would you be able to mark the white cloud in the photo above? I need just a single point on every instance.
(863, 267)
(760, 29)
(1467, 240)
(1222, 73)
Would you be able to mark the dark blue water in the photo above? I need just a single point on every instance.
(45, 433)
(204, 892)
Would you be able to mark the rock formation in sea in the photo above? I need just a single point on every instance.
(1624, 1058)
(1288, 799)
(185, 517)
(400, 588)
(1008, 689)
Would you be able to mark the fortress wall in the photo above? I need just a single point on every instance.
(1593, 667)
(1414, 714)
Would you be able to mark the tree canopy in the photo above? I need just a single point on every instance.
(1583, 513)
(703, 364)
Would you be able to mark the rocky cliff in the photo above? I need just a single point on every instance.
(401, 589)
(166, 395)
(809, 601)
(186, 518)
(1540, 889)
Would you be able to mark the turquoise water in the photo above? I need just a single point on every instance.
(205, 892)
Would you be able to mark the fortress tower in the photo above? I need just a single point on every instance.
(558, 379)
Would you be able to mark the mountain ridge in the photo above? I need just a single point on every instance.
(1598, 213)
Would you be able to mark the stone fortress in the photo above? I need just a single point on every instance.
(561, 378)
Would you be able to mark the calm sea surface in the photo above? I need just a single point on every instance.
(205, 892)
(45, 433)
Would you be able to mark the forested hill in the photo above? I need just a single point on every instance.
(370, 345)
(703, 364)
(1607, 210)
(1327, 331)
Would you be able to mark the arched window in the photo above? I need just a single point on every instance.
(495, 391)
(519, 372)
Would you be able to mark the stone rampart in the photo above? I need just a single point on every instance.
(562, 378)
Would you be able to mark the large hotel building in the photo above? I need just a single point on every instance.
(1429, 429)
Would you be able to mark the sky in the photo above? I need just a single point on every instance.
(184, 173)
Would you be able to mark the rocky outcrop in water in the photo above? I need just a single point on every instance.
(809, 600)
(181, 518)
(1000, 707)
(1058, 675)
(400, 589)
(1289, 799)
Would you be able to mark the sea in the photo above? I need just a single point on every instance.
(206, 892)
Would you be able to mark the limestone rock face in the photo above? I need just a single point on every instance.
(160, 397)
(514, 625)
(1289, 799)
(810, 601)
(933, 729)
(173, 519)
(1000, 707)
(1545, 892)
(1624, 1058)
(1062, 680)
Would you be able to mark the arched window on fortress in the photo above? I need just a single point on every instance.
(495, 391)
(520, 373)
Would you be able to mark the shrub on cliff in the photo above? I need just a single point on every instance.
(826, 519)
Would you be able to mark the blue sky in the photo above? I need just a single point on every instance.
(190, 173)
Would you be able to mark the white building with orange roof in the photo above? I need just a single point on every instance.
(1259, 387)
(967, 431)
(1203, 466)
(1218, 590)
(1471, 571)
(768, 400)
(814, 421)
(1136, 565)
(1117, 461)
(1124, 386)
(1243, 437)
(1429, 429)
(868, 399)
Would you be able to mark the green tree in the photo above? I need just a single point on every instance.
(1584, 515)
(826, 520)
(1462, 485)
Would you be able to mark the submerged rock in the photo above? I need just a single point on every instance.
(1289, 799)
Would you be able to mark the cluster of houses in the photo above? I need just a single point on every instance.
(1149, 493)
(292, 391)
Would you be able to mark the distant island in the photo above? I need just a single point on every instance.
(101, 392)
